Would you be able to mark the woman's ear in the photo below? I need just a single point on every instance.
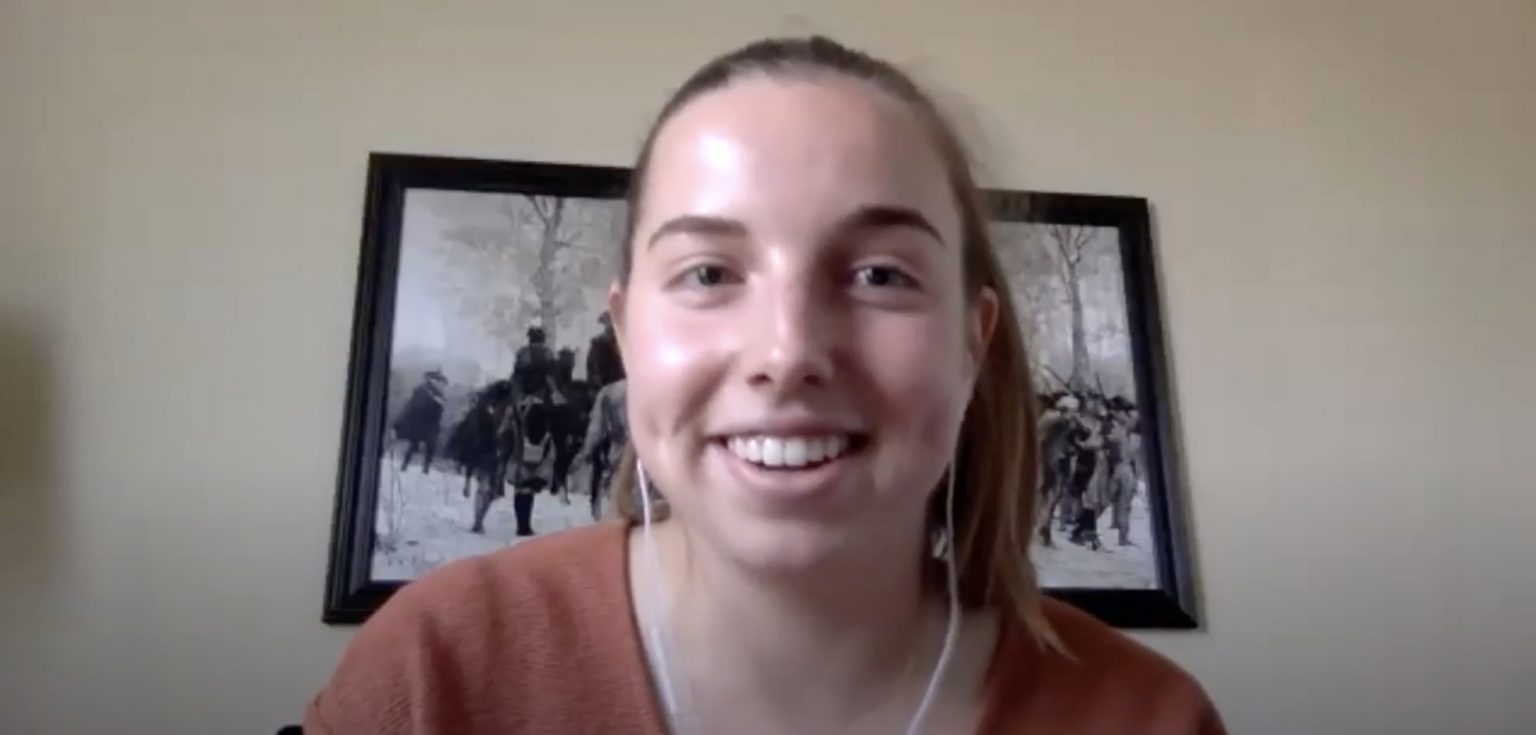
(981, 323)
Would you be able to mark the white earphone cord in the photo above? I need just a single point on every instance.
(952, 630)
(653, 628)
(951, 634)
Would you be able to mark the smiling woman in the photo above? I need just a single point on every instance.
(827, 512)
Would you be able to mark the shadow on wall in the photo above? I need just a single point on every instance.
(1181, 524)
(30, 543)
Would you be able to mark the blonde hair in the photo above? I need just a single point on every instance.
(995, 460)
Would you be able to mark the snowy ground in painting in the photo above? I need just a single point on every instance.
(423, 521)
(1068, 565)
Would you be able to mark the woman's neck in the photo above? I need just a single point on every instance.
(853, 640)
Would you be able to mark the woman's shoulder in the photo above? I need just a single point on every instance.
(446, 640)
(529, 576)
(537, 590)
(1092, 644)
(1100, 680)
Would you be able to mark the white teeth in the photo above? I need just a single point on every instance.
(816, 450)
(836, 445)
(795, 452)
(788, 451)
(773, 452)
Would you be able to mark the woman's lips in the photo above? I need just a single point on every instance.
(783, 486)
(789, 451)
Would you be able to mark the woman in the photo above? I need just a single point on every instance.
(823, 394)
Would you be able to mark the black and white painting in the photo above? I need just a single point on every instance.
(1110, 536)
(501, 347)
(1069, 292)
(486, 392)
(486, 399)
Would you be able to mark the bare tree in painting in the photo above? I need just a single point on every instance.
(549, 211)
(561, 259)
(537, 244)
(1070, 242)
(492, 310)
(1028, 265)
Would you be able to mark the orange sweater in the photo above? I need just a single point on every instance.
(539, 639)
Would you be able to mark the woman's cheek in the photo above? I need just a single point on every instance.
(676, 374)
(925, 389)
(919, 357)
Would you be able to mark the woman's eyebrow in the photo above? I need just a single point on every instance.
(867, 217)
(883, 216)
(698, 224)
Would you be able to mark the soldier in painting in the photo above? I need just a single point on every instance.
(533, 368)
(604, 366)
(420, 421)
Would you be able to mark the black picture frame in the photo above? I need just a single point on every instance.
(351, 595)
(1170, 603)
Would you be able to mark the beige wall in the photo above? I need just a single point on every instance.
(1345, 196)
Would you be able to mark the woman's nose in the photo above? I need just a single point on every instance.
(795, 341)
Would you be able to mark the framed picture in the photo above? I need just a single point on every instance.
(1111, 538)
(479, 324)
(483, 367)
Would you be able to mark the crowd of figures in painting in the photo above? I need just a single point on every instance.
(1068, 286)
(505, 416)
(482, 453)
(528, 431)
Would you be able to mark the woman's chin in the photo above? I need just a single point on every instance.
(776, 546)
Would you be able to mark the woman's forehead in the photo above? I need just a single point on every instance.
(796, 153)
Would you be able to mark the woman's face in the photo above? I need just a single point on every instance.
(798, 343)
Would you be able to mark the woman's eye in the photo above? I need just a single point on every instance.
(882, 276)
(706, 276)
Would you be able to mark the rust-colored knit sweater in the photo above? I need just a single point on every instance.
(539, 640)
